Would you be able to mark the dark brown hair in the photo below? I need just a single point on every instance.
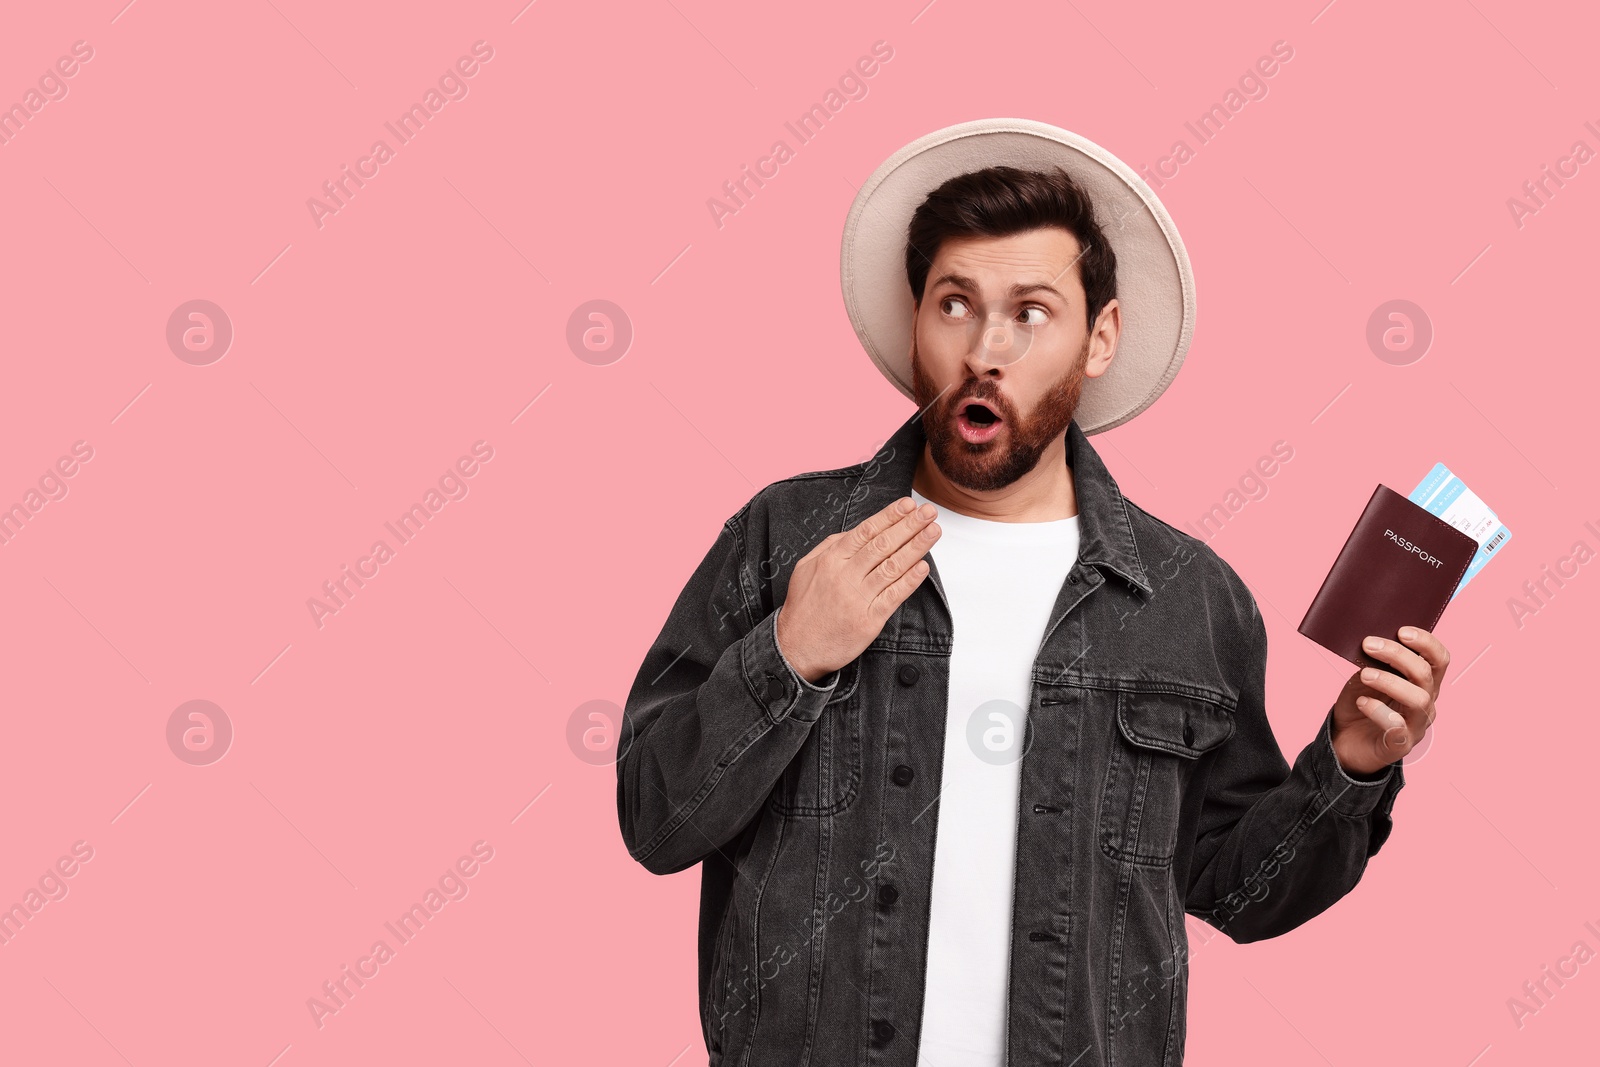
(1001, 201)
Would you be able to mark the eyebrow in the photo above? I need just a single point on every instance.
(961, 281)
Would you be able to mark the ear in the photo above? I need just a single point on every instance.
(1103, 340)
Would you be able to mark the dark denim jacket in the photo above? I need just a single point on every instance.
(1151, 786)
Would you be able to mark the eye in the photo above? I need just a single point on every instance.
(944, 306)
(1035, 310)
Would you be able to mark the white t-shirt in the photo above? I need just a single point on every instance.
(1001, 579)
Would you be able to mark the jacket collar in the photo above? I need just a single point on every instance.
(1105, 533)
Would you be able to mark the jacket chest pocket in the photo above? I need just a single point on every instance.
(825, 775)
(1158, 739)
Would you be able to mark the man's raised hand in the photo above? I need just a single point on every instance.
(1379, 717)
(844, 590)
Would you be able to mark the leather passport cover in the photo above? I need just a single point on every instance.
(1398, 568)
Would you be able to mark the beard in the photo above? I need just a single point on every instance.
(1016, 448)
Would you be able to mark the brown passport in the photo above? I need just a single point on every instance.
(1399, 567)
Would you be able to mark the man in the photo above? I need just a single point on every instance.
(959, 734)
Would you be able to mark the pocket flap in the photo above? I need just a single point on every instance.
(1182, 725)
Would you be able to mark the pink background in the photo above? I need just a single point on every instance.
(433, 710)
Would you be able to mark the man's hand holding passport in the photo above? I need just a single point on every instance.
(1402, 564)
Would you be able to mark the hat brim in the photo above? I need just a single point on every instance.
(1155, 285)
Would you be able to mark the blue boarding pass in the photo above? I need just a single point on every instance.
(1441, 493)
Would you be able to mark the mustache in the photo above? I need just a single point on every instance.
(980, 391)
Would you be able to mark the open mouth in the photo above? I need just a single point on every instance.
(977, 421)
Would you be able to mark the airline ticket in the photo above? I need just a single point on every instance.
(1443, 494)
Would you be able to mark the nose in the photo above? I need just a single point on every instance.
(996, 345)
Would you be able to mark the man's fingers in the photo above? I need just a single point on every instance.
(1429, 648)
(873, 525)
(901, 560)
(1380, 713)
(1404, 696)
(1396, 734)
(1390, 651)
(896, 592)
(1403, 707)
(888, 539)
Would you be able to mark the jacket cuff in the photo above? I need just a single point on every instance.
(776, 686)
(1350, 796)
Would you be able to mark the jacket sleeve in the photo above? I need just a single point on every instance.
(712, 720)
(1276, 845)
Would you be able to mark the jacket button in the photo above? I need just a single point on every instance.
(775, 688)
(882, 1029)
(903, 775)
(1188, 734)
(1072, 579)
(908, 675)
(888, 894)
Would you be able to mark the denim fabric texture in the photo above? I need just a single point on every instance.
(1151, 786)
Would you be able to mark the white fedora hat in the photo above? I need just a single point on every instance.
(1155, 286)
